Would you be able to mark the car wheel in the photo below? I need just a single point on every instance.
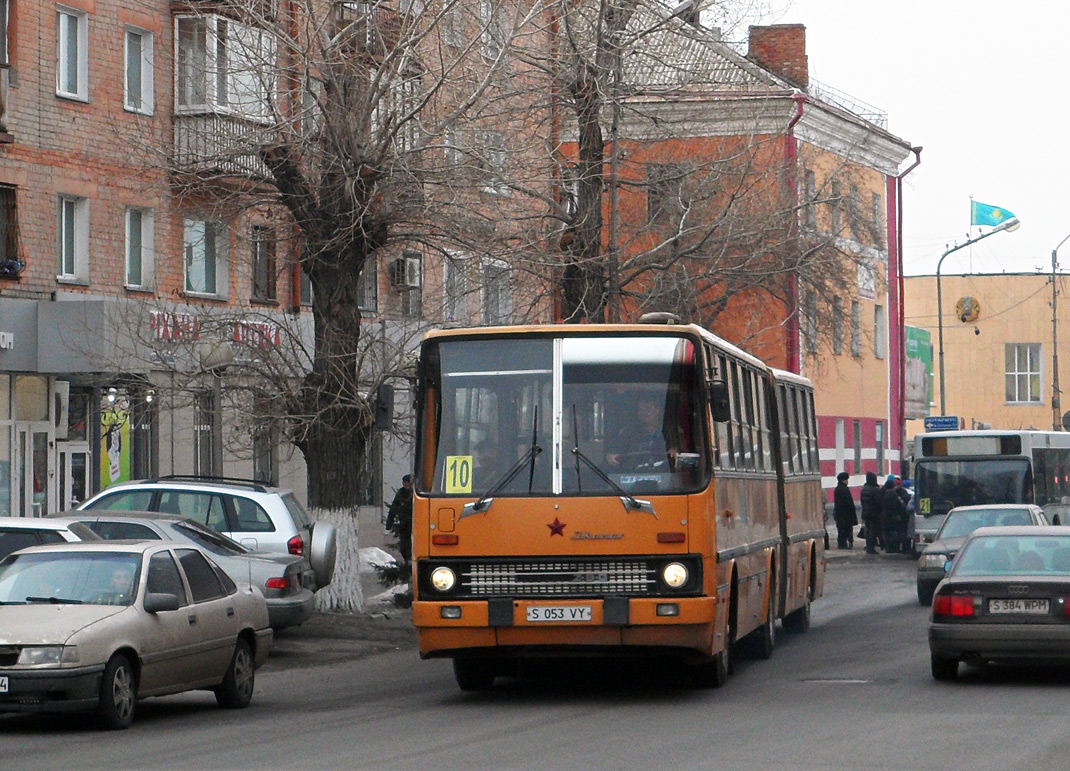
(944, 669)
(925, 596)
(237, 689)
(473, 674)
(323, 553)
(118, 693)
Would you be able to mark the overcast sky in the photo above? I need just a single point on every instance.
(981, 86)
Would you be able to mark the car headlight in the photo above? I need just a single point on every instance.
(933, 561)
(443, 579)
(35, 655)
(674, 575)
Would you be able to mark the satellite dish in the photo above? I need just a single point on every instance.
(1066, 420)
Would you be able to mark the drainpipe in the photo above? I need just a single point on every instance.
(901, 397)
(791, 157)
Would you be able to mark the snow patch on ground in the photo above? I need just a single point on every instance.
(370, 556)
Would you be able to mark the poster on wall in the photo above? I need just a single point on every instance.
(114, 444)
(919, 368)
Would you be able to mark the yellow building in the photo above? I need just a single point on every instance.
(1001, 341)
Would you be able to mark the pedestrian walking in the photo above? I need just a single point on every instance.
(843, 511)
(399, 517)
(870, 497)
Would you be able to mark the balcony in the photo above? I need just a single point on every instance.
(215, 143)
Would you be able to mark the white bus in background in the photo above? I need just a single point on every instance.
(964, 468)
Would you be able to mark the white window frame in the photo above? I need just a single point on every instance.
(141, 255)
(196, 231)
(880, 336)
(72, 239)
(368, 286)
(493, 18)
(1027, 374)
(493, 150)
(856, 328)
(244, 89)
(451, 23)
(138, 96)
(496, 284)
(65, 16)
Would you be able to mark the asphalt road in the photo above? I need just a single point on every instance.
(853, 693)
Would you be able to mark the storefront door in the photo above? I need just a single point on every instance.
(74, 464)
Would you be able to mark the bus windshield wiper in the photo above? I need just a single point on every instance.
(483, 504)
(631, 503)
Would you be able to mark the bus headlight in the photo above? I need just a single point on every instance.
(443, 579)
(674, 575)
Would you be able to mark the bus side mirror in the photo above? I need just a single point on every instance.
(384, 407)
(719, 404)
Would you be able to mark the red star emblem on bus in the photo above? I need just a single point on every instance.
(557, 527)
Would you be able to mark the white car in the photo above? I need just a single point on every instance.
(19, 532)
(97, 626)
(258, 517)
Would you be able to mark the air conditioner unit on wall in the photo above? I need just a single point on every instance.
(406, 272)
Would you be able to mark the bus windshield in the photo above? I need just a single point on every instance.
(632, 407)
(943, 484)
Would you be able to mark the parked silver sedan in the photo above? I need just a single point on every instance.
(19, 532)
(87, 626)
(1004, 599)
(286, 580)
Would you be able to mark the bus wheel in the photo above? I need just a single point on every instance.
(712, 673)
(798, 620)
(760, 642)
(473, 674)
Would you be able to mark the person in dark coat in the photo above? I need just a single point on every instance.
(399, 518)
(843, 511)
(871, 513)
(894, 514)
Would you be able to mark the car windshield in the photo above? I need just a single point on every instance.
(61, 577)
(960, 524)
(1014, 555)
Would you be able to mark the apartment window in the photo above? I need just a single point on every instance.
(492, 144)
(497, 292)
(139, 248)
(138, 94)
(305, 289)
(223, 65)
(835, 210)
(854, 213)
(837, 325)
(451, 23)
(368, 286)
(810, 195)
(876, 206)
(10, 264)
(1022, 361)
(493, 19)
(205, 257)
(72, 53)
(73, 238)
(263, 259)
(455, 289)
(856, 329)
(810, 320)
(880, 446)
(879, 332)
(4, 21)
(664, 194)
(203, 421)
(453, 147)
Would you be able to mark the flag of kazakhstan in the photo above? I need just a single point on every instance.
(983, 214)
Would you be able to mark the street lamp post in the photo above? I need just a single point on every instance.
(1010, 225)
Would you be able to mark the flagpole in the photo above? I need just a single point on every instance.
(1010, 225)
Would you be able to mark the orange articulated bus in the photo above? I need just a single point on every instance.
(610, 490)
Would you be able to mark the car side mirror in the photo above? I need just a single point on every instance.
(947, 567)
(155, 602)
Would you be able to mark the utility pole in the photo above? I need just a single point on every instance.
(1056, 408)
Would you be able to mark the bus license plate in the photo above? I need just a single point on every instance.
(3, 685)
(1018, 606)
(560, 613)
